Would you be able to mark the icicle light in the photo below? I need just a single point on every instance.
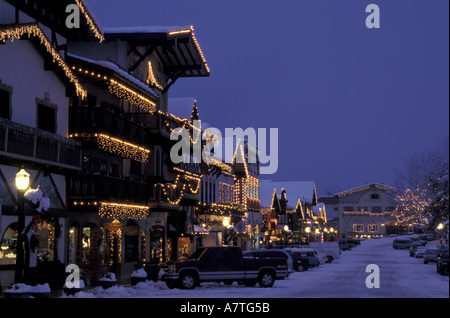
(122, 148)
(130, 95)
(122, 211)
(90, 22)
(34, 31)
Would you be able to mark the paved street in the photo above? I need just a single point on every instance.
(401, 276)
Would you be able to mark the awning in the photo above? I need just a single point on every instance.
(200, 230)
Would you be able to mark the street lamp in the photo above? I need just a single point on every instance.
(226, 223)
(22, 183)
(286, 229)
(307, 230)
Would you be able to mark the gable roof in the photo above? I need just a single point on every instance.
(176, 47)
(52, 13)
(303, 190)
(364, 187)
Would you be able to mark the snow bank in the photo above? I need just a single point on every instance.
(109, 277)
(139, 273)
(23, 288)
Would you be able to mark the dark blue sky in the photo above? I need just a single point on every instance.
(350, 103)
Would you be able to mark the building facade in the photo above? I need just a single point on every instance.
(362, 211)
(36, 85)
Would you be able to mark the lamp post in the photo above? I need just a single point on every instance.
(440, 227)
(286, 229)
(307, 230)
(22, 183)
(226, 223)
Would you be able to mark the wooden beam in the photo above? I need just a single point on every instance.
(142, 58)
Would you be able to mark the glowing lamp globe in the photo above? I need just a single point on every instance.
(22, 180)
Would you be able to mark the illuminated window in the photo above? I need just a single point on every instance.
(46, 247)
(8, 246)
(358, 227)
(73, 245)
(373, 227)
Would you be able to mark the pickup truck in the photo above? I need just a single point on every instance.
(224, 264)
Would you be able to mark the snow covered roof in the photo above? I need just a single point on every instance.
(145, 29)
(176, 46)
(53, 14)
(116, 69)
(364, 187)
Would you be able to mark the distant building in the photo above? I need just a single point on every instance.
(361, 211)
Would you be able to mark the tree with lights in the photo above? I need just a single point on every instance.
(423, 189)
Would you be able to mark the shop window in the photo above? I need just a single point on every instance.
(72, 252)
(131, 242)
(86, 238)
(46, 247)
(8, 245)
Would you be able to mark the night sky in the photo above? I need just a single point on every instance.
(350, 103)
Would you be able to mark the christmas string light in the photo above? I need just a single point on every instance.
(33, 30)
(122, 211)
(122, 148)
(130, 95)
(221, 165)
(90, 22)
(180, 185)
(185, 124)
(197, 46)
(151, 79)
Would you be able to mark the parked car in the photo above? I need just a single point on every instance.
(401, 244)
(442, 262)
(307, 253)
(272, 253)
(413, 247)
(322, 258)
(330, 249)
(226, 264)
(430, 255)
(346, 244)
(300, 263)
(420, 251)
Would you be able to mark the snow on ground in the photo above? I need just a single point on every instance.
(401, 276)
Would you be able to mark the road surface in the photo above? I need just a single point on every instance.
(400, 276)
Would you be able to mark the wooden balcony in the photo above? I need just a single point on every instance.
(91, 120)
(87, 188)
(20, 142)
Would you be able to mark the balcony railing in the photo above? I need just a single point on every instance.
(26, 143)
(101, 187)
(92, 120)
